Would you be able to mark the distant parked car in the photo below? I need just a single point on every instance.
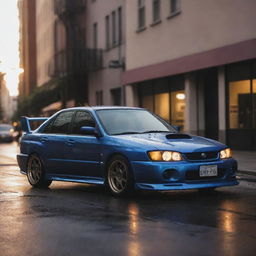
(6, 133)
(124, 149)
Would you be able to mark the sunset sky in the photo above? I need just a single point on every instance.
(9, 43)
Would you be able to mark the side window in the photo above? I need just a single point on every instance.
(48, 127)
(82, 118)
(62, 122)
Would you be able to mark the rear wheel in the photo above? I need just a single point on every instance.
(35, 173)
(119, 176)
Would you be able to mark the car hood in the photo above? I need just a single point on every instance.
(160, 141)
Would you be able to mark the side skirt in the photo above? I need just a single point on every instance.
(88, 180)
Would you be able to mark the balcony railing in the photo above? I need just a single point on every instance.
(68, 7)
(75, 61)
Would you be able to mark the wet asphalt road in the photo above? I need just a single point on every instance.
(76, 219)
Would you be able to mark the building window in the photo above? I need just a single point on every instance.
(107, 27)
(116, 95)
(113, 28)
(156, 10)
(99, 98)
(174, 6)
(119, 17)
(141, 14)
(95, 35)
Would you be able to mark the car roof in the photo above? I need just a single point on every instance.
(94, 108)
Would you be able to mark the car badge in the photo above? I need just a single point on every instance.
(203, 155)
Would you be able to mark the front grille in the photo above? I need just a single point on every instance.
(194, 175)
(198, 156)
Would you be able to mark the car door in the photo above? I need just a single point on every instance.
(54, 138)
(84, 150)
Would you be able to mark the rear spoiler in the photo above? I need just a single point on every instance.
(25, 122)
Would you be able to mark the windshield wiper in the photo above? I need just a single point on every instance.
(122, 133)
(155, 131)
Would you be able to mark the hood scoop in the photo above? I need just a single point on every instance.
(176, 136)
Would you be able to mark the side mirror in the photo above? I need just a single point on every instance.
(88, 130)
(177, 128)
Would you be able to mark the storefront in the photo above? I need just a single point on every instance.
(165, 97)
(241, 105)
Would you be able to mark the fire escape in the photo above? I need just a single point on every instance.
(73, 63)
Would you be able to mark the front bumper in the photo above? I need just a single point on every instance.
(183, 175)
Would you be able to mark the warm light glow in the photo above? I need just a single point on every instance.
(134, 244)
(9, 44)
(180, 96)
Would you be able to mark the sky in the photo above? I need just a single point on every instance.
(9, 44)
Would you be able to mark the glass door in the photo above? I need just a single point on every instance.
(242, 107)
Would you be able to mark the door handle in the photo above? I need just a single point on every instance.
(70, 142)
(44, 139)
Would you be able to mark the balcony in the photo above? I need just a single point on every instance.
(75, 61)
(66, 8)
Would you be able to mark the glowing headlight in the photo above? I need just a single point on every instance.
(165, 156)
(226, 153)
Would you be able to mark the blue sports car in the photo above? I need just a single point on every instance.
(123, 148)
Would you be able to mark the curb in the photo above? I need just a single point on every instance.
(253, 173)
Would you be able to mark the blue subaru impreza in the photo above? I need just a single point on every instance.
(122, 148)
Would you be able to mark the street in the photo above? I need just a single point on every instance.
(77, 219)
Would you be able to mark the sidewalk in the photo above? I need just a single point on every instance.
(246, 161)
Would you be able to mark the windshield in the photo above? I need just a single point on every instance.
(129, 121)
(5, 128)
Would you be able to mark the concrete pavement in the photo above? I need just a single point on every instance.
(246, 161)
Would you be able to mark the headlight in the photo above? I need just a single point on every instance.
(165, 156)
(226, 153)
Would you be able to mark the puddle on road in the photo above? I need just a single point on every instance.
(4, 196)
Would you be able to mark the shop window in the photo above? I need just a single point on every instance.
(165, 98)
(254, 102)
(162, 105)
(239, 104)
(178, 108)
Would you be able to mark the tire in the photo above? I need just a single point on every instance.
(119, 178)
(36, 174)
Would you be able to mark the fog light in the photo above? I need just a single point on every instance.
(170, 174)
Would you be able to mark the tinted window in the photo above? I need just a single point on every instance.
(48, 127)
(82, 118)
(62, 122)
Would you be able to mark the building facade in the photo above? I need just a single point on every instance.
(105, 30)
(28, 79)
(193, 63)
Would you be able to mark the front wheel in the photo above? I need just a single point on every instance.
(119, 176)
(35, 173)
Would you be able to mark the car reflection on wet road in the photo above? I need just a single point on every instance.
(74, 219)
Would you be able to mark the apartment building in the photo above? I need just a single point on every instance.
(194, 64)
(105, 30)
